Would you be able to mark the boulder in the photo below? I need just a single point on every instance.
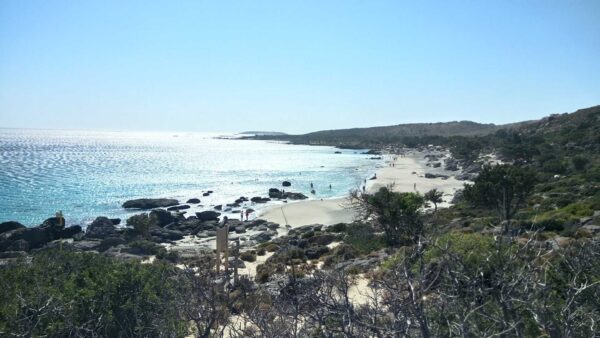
(150, 203)
(10, 225)
(258, 199)
(219, 207)
(101, 227)
(193, 201)
(208, 215)
(430, 175)
(163, 235)
(115, 221)
(178, 207)
(71, 231)
(286, 184)
(206, 194)
(240, 229)
(163, 217)
(261, 237)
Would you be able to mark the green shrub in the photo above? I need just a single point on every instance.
(362, 237)
(339, 227)
(89, 295)
(248, 256)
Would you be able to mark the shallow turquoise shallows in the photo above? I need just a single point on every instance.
(87, 173)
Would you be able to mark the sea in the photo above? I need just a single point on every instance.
(86, 174)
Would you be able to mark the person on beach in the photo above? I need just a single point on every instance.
(415, 186)
(242, 215)
(247, 214)
(363, 188)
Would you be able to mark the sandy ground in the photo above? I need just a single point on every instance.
(406, 175)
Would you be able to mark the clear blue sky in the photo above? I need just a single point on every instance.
(293, 66)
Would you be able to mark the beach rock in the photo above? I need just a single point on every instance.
(286, 184)
(115, 221)
(162, 217)
(193, 201)
(101, 227)
(278, 194)
(240, 229)
(208, 215)
(162, 235)
(206, 194)
(258, 199)
(430, 175)
(473, 169)
(451, 164)
(150, 203)
(178, 207)
(10, 225)
(86, 245)
(71, 231)
(219, 207)
(261, 237)
(437, 164)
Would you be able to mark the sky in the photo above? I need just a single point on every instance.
(293, 66)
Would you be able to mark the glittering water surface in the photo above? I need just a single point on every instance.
(87, 174)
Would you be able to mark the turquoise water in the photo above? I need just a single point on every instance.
(87, 174)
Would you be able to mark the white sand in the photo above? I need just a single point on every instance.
(334, 211)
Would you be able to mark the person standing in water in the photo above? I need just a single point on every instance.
(311, 185)
(329, 186)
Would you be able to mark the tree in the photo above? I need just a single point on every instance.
(397, 214)
(434, 196)
(580, 162)
(502, 187)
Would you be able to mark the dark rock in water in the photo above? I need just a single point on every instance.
(337, 152)
(70, 231)
(163, 217)
(208, 215)
(101, 227)
(258, 199)
(286, 184)
(372, 152)
(210, 191)
(276, 193)
(10, 225)
(206, 194)
(178, 207)
(219, 207)
(115, 221)
(193, 201)
(375, 158)
(150, 203)
(233, 205)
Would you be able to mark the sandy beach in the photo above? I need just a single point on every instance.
(406, 174)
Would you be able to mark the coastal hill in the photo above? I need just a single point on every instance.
(361, 137)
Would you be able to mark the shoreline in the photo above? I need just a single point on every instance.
(405, 173)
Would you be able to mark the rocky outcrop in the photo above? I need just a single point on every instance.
(430, 175)
(208, 215)
(286, 184)
(258, 199)
(101, 227)
(150, 203)
(10, 225)
(162, 217)
(178, 207)
(193, 201)
(278, 194)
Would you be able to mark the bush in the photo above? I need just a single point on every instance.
(248, 256)
(362, 237)
(340, 227)
(272, 247)
(87, 294)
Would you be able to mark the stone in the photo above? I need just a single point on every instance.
(193, 201)
(115, 221)
(240, 229)
(162, 217)
(219, 207)
(208, 215)
(101, 227)
(178, 207)
(150, 203)
(286, 184)
(10, 225)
